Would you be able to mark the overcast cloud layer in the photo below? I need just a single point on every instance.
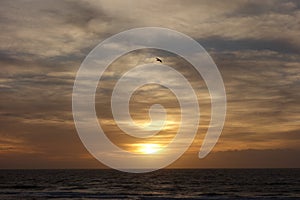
(255, 44)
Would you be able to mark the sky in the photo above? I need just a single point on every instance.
(255, 44)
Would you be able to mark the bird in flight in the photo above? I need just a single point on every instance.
(158, 59)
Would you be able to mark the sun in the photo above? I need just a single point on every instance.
(148, 148)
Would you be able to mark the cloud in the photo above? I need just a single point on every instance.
(249, 158)
(255, 44)
(281, 46)
(257, 8)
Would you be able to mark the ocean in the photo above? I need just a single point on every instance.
(161, 184)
